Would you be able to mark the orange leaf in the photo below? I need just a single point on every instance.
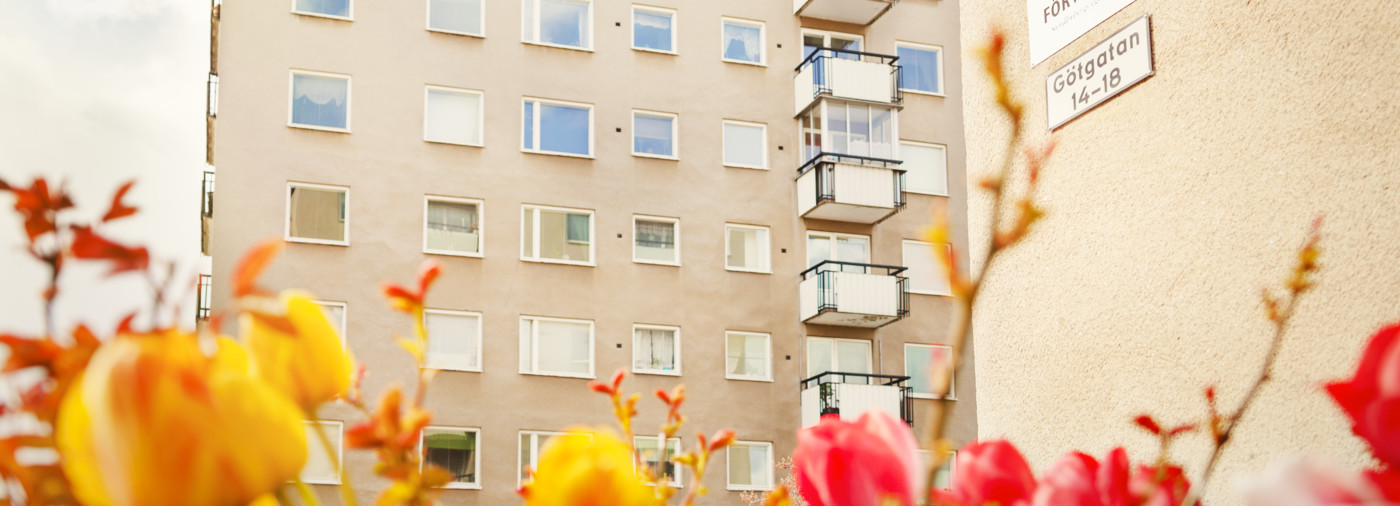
(118, 209)
(87, 245)
(245, 274)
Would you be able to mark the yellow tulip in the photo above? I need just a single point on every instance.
(156, 422)
(578, 470)
(298, 352)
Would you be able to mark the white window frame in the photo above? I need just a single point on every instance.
(833, 240)
(423, 450)
(676, 480)
(767, 338)
(675, 133)
(936, 264)
(826, 37)
(535, 451)
(926, 457)
(764, 156)
(831, 342)
(535, 346)
(677, 227)
(535, 127)
(350, 12)
(941, 63)
(675, 48)
(766, 247)
(344, 315)
(291, 97)
(480, 117)
(729, 480)
(337, 436)
(428, 24)
(645, 326)
(943, 147)
(535, 239)
(762, 40)
(480, 230)
(479, 338)
(536, 20)
(952, 385)
(287, 214)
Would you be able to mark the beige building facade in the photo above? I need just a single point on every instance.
(725, 194)
(1169, 207)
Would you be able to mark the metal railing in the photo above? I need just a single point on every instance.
(825, 165)
(829, 398)
(820, 61)
(203, 298)
(206, 195)
(825, 272)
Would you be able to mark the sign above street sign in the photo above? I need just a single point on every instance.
(1053, 24)
(1114, 65)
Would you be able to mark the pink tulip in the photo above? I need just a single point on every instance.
(873, 460)
(990, 472)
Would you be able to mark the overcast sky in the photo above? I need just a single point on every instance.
(98, 92)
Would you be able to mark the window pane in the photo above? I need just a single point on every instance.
(453, 450)
(655, 350)
(652, 135)
(748, 249)
(840, 130)
(453, 226)
(562, 236)
(743, 145)
(917, 360)
(565, 347)
(818, 250)
(452, 117)
(655, 240)
(335, 313)
(564, 22)
(651, 30)
(748, 465)
(926, 273)
(316, 214)
(853, 356)
(320, 101)
(328, 7)
(881, 133)
(920, 69)
(818, 356)
(659, 464)
(564, 129)
(860, 131)
(452, 341)
(455, 15)
(528, 124)
(926, 168)
(527, 242)
(747, 355)
(320, 467)
(742, 42)
(527, 348)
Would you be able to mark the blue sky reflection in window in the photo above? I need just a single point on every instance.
(651, 30)
(741, 42)
(338, 8)
(564, 22)
(320, 101)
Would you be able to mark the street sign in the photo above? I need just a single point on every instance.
(1053, 24)
(1100, 73)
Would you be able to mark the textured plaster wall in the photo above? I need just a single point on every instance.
(1170, 207)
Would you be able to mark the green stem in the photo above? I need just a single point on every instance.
(304, 492)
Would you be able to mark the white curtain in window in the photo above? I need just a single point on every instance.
(455, 15)
(926, 273)
(452, 341)
(564, 22)
(926, 168)
(320, 90)
(741, 42)
(563, 347)
(743, 145)
(452, 117)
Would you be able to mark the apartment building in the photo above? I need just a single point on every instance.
(726, 194)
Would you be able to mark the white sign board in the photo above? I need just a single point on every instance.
(1097, 75)
(1056, 23)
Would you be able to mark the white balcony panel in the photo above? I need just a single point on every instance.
(811, 412)
(861, 80)
(853, 401)
(867, 294)
(809, 297)
(860, 12)
(864, 186)
(806, 191)
(804, 90)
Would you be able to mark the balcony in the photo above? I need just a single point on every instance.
(854, 189)
(848, 75)
(850, 395)
(206, 211)
(860, 12)
(204, 297)
(851, 294)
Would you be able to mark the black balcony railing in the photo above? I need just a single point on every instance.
(203, 298)
(825, 274)
(825, 165)
(206, 195)
(829, 397)
(820, 60)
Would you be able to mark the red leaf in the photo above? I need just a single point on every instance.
(87, 245)
(600, 388)
(118, 209)
(1146, 422)
(427, 273)
(245, 274)
(1182, 429)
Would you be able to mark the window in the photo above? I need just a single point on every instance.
(745, 145)
(562, 23)
(654, 134)
(454, 340)
(320, 101)
(327, 8)
(456, 450)
(452, 226)
(746, 356)
(750, 465)
(926, 273)
(742, 41)
(556, 235)
(656, 240)
(823, 246)
(653, 29)
(918, 366)
(556, 347)
(335, 313)
(321, 468)
(922, 68)
(318, 214)
(943, 479)
(812, 40)
(925, 166)
(860, 130)
(558, 128)
(452, 116)
(660, 465)
(746, 248)
(656, 350)
(531, 442)
(461, 17)
(825, 354)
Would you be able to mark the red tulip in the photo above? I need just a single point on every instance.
(1078, 479)
(872, 461)
(990, 472)
(1372, 397)
(1150, 486)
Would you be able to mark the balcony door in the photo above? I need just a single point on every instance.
(813, 40)
(826, 354)
(823, 246)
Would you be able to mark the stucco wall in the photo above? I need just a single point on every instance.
(1170, 207)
